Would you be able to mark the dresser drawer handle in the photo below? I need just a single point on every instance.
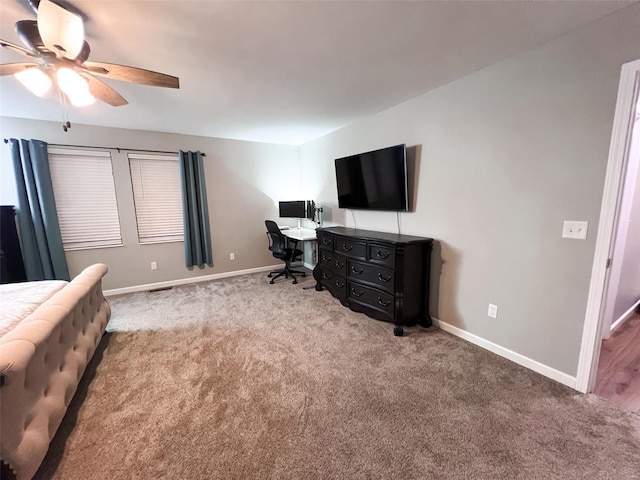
(326, 241)
(357, 272)
(325, 258)
(383, 303)
(382, 255)
(325, 276)
(338, 284)
(347, 248)
(339, 264)
(383, 279)
(355, 293)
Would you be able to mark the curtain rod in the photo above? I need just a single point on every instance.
(6, 140)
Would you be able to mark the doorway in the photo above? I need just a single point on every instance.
(618, 162)
(618, 378)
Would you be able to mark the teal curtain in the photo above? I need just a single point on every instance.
(197, 234)
(36, 214)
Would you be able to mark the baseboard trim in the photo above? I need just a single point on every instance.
(186, 281)
(624, 317)
(526, 362)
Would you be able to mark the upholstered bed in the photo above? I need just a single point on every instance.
(43, 354)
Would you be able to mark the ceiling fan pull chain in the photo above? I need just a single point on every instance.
(66, 124)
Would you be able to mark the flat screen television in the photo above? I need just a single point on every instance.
(374, 180)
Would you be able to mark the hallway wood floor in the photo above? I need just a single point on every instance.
(618, 377)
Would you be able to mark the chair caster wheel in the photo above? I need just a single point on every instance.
(294, 282)
(272, 282)
(398, 331)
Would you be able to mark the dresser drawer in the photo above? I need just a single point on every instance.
(383, 255)
(383, 302)
(334, 262)
(334, 283)
(380, 277)
(325, 241)
(338, 285)
(350, 248)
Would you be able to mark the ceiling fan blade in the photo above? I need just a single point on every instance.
(104, 92)
(15, 48)
(132, 74)
(61, 30)
(11, 68)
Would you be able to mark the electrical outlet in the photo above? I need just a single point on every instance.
(154, 265)
(575, 230)
(493, 311)
(232, 256)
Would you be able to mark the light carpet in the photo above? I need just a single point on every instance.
(239, 379)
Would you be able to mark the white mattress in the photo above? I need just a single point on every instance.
(18, 300)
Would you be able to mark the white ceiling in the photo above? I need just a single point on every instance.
(285, 71)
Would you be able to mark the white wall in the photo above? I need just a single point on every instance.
(245, 180)
(627, 261)
(503, 157)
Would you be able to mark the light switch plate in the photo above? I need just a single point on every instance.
(574, 229)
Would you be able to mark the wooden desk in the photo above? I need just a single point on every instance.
(304, 235)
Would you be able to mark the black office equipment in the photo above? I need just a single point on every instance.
(284, 249)
(375, 180)
(293, 209)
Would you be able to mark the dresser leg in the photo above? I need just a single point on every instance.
(426, 322)
(398, 330)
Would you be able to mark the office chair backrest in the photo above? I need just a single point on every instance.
(277, 241)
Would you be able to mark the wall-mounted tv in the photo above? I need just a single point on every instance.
(374, 180)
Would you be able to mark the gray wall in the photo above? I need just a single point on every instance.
(503, 157)
(244, 182)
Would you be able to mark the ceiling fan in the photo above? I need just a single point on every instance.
(59, 54)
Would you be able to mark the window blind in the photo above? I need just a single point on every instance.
(158, 197)
(85, 197)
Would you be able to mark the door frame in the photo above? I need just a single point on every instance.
(616, 166)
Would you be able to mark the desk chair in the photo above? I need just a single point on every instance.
(284, 249)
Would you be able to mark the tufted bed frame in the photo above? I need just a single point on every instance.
(41, 362)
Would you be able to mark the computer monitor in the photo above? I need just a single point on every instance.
(299, 209)
(311, 210)
(293, 209)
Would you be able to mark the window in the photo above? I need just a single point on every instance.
(85, 196)
(158, 197)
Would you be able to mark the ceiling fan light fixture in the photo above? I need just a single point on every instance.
(35, 80)
(70, 82)
(81, 99)
(61, 31)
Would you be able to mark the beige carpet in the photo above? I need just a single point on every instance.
(277, 382)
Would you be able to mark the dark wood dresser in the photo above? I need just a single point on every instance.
(11, 264)
(383, 275)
